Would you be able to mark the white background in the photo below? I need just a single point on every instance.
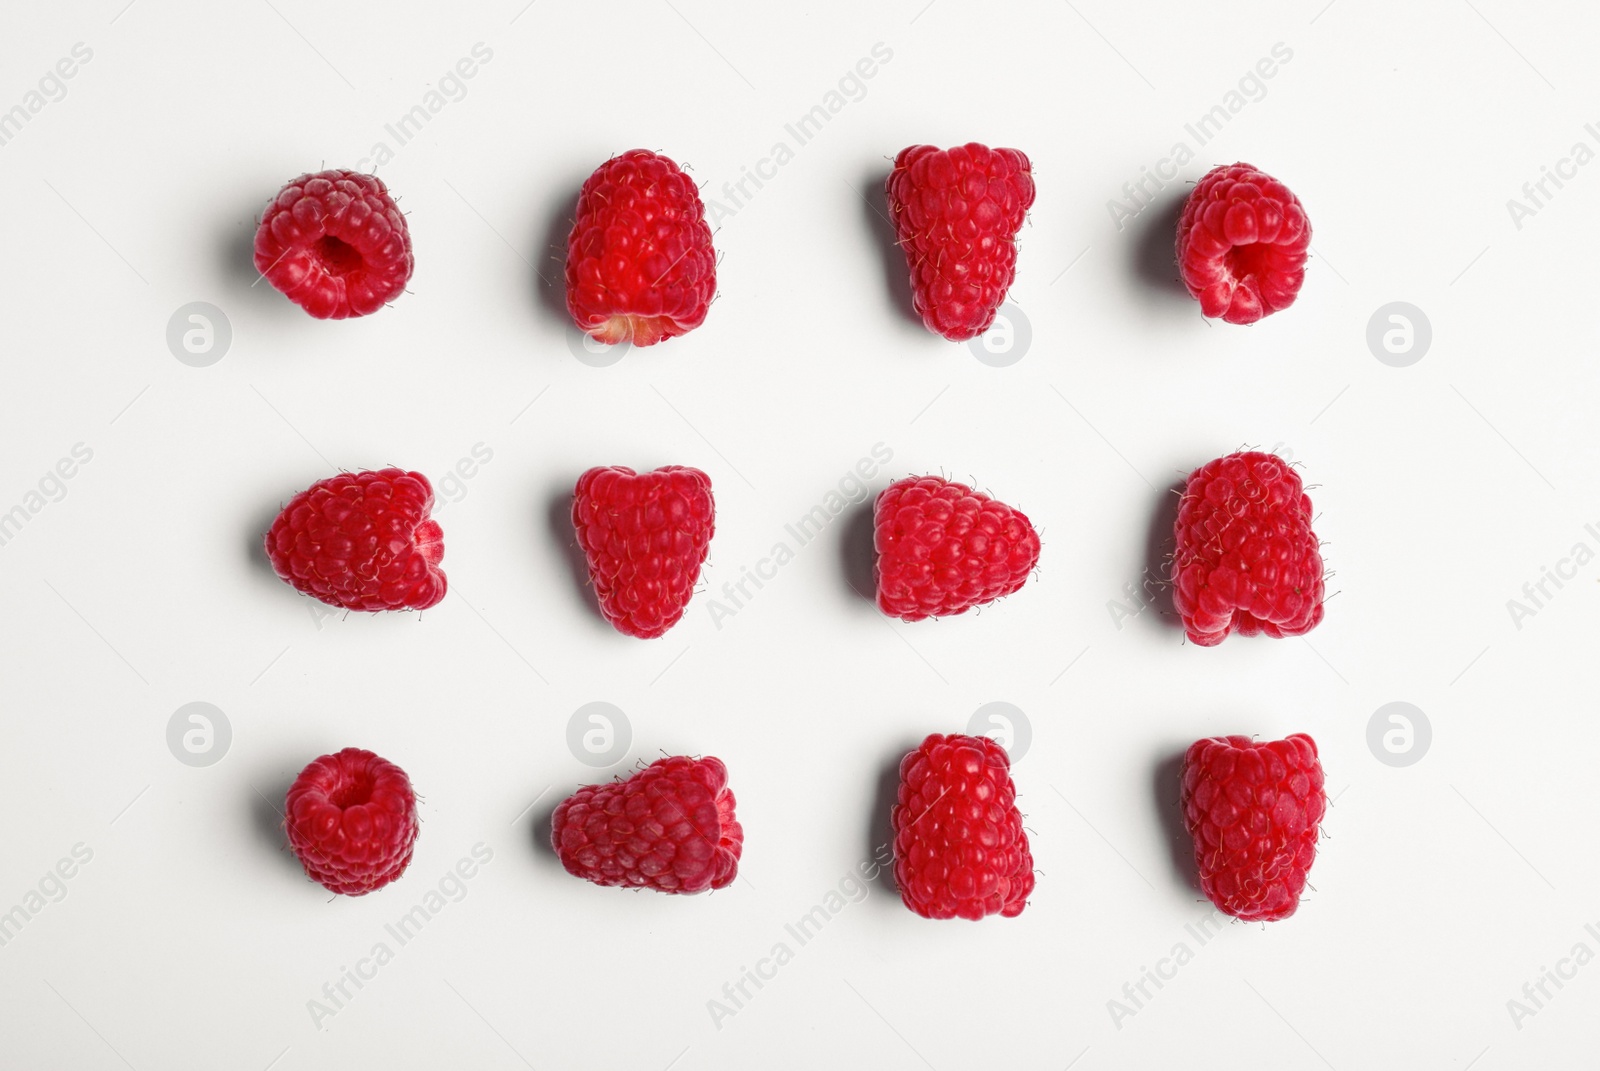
(192, 940)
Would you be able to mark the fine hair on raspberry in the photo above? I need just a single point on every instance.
(351, 819)
(1242, 244)
(956, 215)
(944, 548)
(1245, 557)
(640, 264)
(960, 849)
(336, 244)
(644, 537)
(362, 541)
(670, 827)
(1254, 809)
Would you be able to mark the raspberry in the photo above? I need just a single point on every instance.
(351, 818)
(336, 244)
(1247, 560)
(1242, 242)
(1253, 810)
(362, 541)
(944, 548)
(669, 827)
(959, 847)
(645, 536)
(956, 214)
(640, 267)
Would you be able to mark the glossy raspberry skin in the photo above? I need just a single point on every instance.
(1242, 241)
(956, 214)
(669, 827)
(645, 536)
(944, 548)
(1246, 560)
(336, 244)
(1253, 810)
(640, 266)
(959, 847)
(351, 818)
(362, 541)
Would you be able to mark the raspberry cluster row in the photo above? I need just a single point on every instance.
(960, 849)
(641, 267)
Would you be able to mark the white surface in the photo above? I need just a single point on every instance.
(190, 940)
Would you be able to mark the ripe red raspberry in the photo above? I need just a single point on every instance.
(956, 214)
(669, 827)
(1253, 810)
(959, 847)
(1247, 560)
(645, 536)
(1242, 242)
(944, 548)
(640, 267)
(351, 818)
(336, 244)
(362, 541)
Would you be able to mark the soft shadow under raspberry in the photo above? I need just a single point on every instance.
(558, 522)
(255, 536)
(875, 210)
(1167, 793)
(880, 829)
(1155, 242)
(539, 821)
(264, 797)
(549, 260)
(236, 255)
(856, 554)
(1155, 584)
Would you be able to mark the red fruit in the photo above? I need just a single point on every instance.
(362, 541)
(669, 827)
(944, 548)
(1242, 241)
(956, 214)
(336, 244)
(959, 847)
(640, 267)
(1253, 810)
(1247, 560)
(351, 818)
(645, 536)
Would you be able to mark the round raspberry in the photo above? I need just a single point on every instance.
(351, 818)
(1246, 560)
(1253, 810)
(1242, 243)
(640, 267)
(362, 541)
(645, 536)
(336, 244)
(959, 847)
(669, 827)
(956, 214)
(944, 548)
